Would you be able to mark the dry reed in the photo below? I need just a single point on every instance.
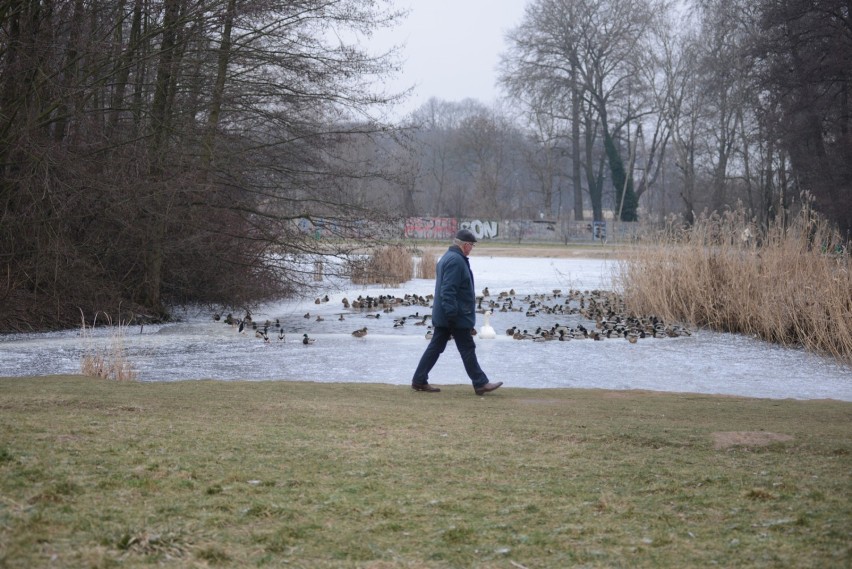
(109, 361)
(791, 286)
(426, 266)
(389, 266)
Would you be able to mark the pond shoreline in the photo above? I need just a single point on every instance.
(536, 250)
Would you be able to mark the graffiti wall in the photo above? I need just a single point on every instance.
(444, 228)
(481, 229)
(433, 228)
(565, 231)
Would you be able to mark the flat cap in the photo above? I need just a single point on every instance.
(466, 235)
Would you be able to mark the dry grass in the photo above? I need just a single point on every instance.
(789, 285)
(426, 266)
(389, 266)
(109, 361)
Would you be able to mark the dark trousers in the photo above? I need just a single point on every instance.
(467, 349)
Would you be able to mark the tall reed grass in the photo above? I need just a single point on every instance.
(106, 361)
(426, 265)
(788, 285)
(391, 265)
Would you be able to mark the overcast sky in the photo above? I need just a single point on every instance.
(452, 48)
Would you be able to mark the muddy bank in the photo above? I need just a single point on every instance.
(537, 250)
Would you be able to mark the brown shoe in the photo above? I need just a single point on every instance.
(487, 387)
(424, 387)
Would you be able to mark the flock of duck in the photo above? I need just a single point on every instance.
(595, 315)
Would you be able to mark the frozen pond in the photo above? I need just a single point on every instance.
(199, 348)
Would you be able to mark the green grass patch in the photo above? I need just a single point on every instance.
(98, 473)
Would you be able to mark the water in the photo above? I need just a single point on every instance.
(199, 348)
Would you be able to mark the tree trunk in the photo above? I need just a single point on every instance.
(626, 203)
(688, 193)
(576, 165)
(124, 64)
(768, 212)
(221, 77)
(595, 183)
(155, 211)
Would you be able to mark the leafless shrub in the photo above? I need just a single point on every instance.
(785, 285)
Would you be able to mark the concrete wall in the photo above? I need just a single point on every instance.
(516, 231)
(520, 231)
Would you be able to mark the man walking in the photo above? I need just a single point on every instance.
(454, 315)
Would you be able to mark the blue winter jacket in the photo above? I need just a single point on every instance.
(454, 305)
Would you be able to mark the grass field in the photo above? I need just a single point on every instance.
(95, 473)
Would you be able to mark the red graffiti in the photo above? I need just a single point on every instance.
(438, 228)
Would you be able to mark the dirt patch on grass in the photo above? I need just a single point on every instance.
(727, 439)
(548, 251)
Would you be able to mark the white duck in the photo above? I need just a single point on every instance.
(487, 332)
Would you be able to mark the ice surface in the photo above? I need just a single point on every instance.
(199, 348)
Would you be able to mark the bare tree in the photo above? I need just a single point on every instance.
(546, 154)
(597, 43)
(805, 49)
(153, 153)
(663, 70)
(485, 141)
(724, 72)
(540, 71)
(436, 123)
(683, 108)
